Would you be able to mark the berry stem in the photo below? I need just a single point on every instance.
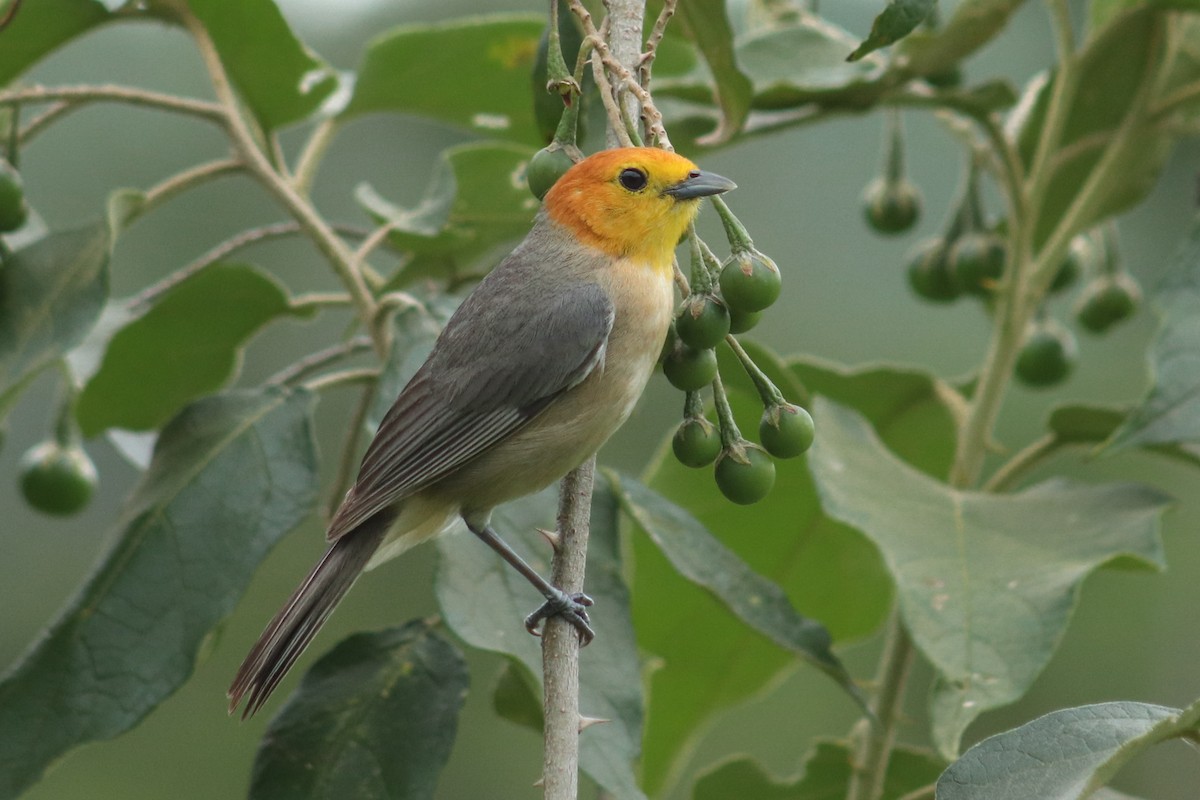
(768, 392)
(730, 435)
(894, 158)
(702, 279)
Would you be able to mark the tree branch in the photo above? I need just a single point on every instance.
(560, 645)
(256, 161)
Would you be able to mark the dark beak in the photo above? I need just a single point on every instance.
(699, 183)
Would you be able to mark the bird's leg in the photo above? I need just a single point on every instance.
(571, 607)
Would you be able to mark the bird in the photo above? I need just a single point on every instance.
(533, 372)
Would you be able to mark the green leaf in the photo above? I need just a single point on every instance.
(825, 775)
(1171, 412)
(756, 601)
(471, 72)
(277, 76)
(476, 198)
(1115, 74)
(230, 475)
(817, 561)
(1064, 755)
(706, 23)
(514, 699)
(375, 717)
(38, 28)
(1101, 12)
(484, 601)
(800, 64)
(986, 583)
(973, 24)
(897, 21)
(51, 294)
(188, 344)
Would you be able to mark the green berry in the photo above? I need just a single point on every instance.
(56, 479)
(696, 443)
(1079, 255)
(929, 272)
(742, 321)
(745, 473)
(977, 261)
(13, 208)
(950, 78)
(1047, 356)
(750, 281)
(689, 369)
(785, 430)
(891, 207)
(702, 322)
(1106, 301)
(545, 168)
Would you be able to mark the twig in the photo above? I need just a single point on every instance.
(874, 752)
(161, 193)
(656, 35)
(319, 360)
(616, 124)
(310, 157)
(650, 112)
(333, 248)
(44, 119)
(343, 378)
(78, 95)
(224, 249)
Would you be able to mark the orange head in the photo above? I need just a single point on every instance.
(633, 202)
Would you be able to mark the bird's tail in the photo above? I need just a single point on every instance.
(289, 633)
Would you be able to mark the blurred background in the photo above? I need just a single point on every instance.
(845, 299)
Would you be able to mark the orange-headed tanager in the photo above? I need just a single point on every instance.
(531, 375)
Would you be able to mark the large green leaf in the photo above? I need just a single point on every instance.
(40, 26)
(1065, 755)
(825, 775)
(788, 66)
(786, 538)
(1101, 12)
(278, 77)
(706, 23)
(374, 719)
(484, 601)
(896, 21)
(973, 24)
(476, 198)
(986, 583)
(51, 294)
(187, 344)
(471, 72)
(1107, 127)
(756, 601)
(1171, 412)
(230, 475)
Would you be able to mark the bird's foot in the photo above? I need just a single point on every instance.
(571, 607)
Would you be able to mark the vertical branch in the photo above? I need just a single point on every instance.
(560, 643)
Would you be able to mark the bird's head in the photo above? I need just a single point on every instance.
(633, 202)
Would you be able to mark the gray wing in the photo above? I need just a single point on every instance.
(492, 370)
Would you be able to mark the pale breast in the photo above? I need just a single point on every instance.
(578, 423)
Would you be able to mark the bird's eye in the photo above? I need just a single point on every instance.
(632, 179)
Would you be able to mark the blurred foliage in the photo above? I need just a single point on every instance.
(902, 506)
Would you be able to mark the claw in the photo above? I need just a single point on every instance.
(572, 608)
